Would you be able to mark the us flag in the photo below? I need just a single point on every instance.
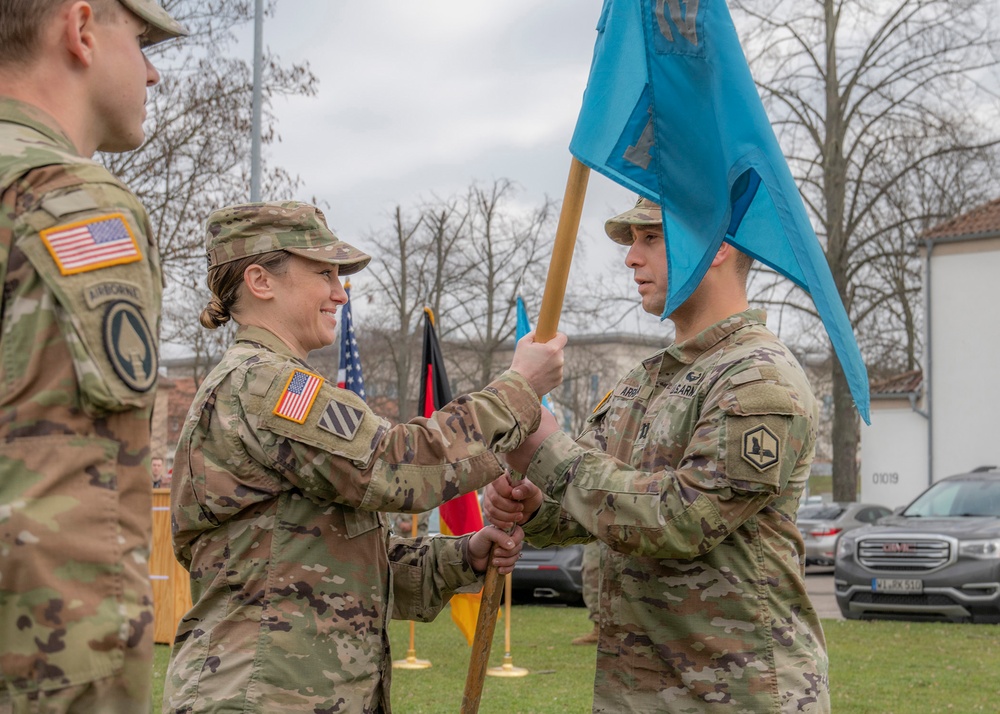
(349, 374)
(299, 395)
(92, 244)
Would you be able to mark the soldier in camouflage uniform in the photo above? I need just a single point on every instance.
(690, 473)
(283, 485)
(79, 317)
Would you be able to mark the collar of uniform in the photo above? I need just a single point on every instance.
(688, 351)
(266, 338)
(18, 112)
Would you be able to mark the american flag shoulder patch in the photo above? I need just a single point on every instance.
(94, 243)
(298, 396)
(341, 419)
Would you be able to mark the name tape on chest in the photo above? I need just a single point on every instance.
(633, 391)
(297, 398)
(685, 387)
(92, 244)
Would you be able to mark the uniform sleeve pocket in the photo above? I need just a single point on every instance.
(756, 448)
(107, 305)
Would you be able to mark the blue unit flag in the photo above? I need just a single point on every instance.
(671, 111)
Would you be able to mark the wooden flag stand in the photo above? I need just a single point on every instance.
(507, 669)
(411, 661)
(548, 321)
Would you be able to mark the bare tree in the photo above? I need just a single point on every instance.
(504, 254)
(880, 108)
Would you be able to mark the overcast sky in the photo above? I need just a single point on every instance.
(416, 98)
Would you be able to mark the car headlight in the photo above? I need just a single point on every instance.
(988, 549)
(845, 547)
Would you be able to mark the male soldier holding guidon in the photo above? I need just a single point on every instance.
(690, 473)
(78, 319)
(281, 481)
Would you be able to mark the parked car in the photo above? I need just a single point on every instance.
(822, 524)
(553, 574)
(937, 559)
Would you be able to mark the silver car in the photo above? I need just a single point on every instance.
(821, 524)
(937, 559)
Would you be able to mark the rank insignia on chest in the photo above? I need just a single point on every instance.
(91, 244)
(760, 448)
(341, 419)
(298, 397)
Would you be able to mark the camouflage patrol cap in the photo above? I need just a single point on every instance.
(161, 25)
(235, 232)
(645, 213)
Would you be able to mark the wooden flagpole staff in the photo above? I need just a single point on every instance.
(548, 322)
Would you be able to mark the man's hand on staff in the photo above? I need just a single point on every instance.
(506, 553)
(508, 503)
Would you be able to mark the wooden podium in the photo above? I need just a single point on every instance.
(170, 581)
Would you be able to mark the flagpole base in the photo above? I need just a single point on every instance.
(411, 662)
(507, 669)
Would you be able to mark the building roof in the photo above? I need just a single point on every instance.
(898, 385)
(981, 221)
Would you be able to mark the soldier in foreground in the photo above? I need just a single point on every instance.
(690, 473)
(79, 315)
(283, 486)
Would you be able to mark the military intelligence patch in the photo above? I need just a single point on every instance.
(297, 399)
(341, 420)
(760, 448)
(129, 345)
(91, 244)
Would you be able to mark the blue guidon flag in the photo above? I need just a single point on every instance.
(671, 111)
(300, 393)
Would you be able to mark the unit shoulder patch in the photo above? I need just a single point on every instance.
(129, 345)
(760, 448)
(91, 244)
(296, 399)
(341, 419)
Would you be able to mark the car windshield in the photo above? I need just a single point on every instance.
(957, 499)
(820, 512)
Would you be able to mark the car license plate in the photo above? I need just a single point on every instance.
(897, 585)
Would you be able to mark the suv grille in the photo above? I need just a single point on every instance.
(903, 553)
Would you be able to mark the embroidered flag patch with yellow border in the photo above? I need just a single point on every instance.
(92, 244)
(298, 397)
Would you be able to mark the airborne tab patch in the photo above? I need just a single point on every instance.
(92, 244)
(760, 448)
(341, 419)
(298, 396)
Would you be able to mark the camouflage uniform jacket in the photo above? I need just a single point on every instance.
(703, 604)
(78, 319)
(294, 573)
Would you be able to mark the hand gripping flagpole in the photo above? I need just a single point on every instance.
(548, 322)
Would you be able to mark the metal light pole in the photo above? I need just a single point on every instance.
(258, 70)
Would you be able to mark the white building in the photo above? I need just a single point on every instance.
(946, 423)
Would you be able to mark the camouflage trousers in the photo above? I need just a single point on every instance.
(591, 575)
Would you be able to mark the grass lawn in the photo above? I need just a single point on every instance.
(875, 667)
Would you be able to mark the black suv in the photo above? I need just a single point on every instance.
(936, 559)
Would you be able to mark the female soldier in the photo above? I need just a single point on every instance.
(280, 477)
